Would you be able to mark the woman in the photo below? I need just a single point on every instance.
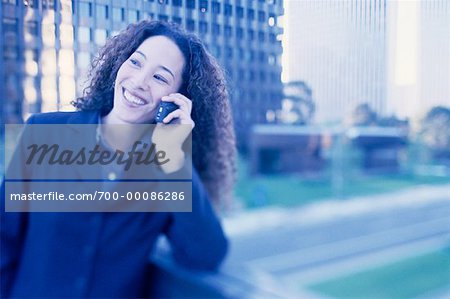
(56, 255)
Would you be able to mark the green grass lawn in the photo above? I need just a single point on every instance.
(407, 278)
(291, 190)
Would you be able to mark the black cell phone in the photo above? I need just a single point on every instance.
(164, 109)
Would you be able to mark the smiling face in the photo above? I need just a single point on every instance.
(154, 70)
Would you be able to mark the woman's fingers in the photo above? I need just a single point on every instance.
(181, 116)
(183, 102)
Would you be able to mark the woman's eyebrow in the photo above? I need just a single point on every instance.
(137, 51)
(161, 66)
(167, 70)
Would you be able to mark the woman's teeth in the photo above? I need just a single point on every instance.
(132, 99)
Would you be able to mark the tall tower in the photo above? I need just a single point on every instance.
(338, 48)
(49, 45)
(392, 55)
(419, 60)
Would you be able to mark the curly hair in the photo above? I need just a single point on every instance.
(213, 138)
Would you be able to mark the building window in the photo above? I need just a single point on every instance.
(203, 5)
(132, 16)
(262, 57)
(100, 36)
(272, 38)
(177, 2)
(227, 10)
(227, 31)
(271, 59)
(262, 76)
(241, 53)
(13, 2)
(163, 18)
(242, 77)
(32, 55)
(49, 4)
(215, 50)
(32, 27)
(216, 7)
(261, 16)
(48, 34)
(177, 20)
(272, 20)
(85, 9)
(102, 12)
(250, 35)
(118, 14)
(250, 14)
(203, 27)
(190, 25)
(250, 55)
(190, 4)
(251, 76)
(274, 77)
(216, 29)
(66, 35)
(229, 52)
(10, 25)
(83, 60)
(239, 33)
(149, 15)
(239, 12)
(84, 34)
(261, 36)
(31, 3)
(162, 2)
(10, 53)
(229, 73)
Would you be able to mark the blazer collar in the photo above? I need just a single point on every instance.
(84, 117)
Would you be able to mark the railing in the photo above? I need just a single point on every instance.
(169, 280)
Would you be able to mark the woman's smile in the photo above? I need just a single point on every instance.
(133, 100)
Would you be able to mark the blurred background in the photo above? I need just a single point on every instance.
(342, 114)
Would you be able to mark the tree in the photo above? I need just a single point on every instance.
(436, 131)
(298, 105)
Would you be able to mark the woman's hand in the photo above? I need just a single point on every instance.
(170, 137)
(183, 114)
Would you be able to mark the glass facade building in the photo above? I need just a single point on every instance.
(48, 47)
(393, 55)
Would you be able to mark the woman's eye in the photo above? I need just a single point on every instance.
(134, 62)
(161, 78)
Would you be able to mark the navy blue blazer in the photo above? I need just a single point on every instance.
(61, 255)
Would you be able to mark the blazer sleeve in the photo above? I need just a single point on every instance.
(197, 238)
(12, 231)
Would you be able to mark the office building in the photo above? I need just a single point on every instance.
(392, 55)
(49, 44)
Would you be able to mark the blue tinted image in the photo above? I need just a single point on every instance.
(314, 163)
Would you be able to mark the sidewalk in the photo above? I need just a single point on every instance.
(247, 222)
(300, 246)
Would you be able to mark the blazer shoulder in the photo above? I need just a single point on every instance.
(81, 117)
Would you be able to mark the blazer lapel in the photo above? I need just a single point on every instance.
(83, 128)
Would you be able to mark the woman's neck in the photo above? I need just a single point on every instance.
(121, 135)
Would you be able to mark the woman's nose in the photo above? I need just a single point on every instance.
(142, 80)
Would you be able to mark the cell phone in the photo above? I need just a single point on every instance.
(164, 109)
